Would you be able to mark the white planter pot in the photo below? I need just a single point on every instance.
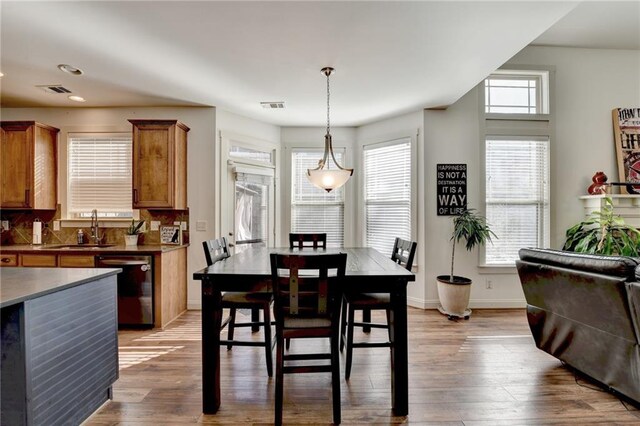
(131, 240)
(454, 297)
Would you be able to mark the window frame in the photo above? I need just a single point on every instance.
(541, 125)
(67, 216)
(412, 179)
(292, 151)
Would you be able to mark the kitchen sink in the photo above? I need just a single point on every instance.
(79, 246)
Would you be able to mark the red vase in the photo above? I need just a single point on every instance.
(599, 185)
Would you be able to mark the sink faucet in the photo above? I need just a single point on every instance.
(95, 230)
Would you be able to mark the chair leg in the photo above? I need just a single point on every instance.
(366, 318)
(388, 312)
(255, 317)
(347, 367)
(230, 326)
(279, 378)
(267, 339)
(288, 343)
(335, 379)
(343, 323)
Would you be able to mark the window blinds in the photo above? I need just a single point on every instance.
(387, 190)
(517, 196)
(312, 209)
(99, 174)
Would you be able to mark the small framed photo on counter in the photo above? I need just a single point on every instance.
(170, 235)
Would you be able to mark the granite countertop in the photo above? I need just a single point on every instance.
(86, 248)
(22, 284)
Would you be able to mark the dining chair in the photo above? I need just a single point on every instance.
(307, 301)
(218, 250)
(307, 240)
(403, 254)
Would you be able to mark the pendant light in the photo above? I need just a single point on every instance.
(323, 176)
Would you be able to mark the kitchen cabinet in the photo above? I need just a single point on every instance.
(159, 164)
(28, 166)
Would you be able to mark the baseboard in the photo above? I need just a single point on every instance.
(194, 306)
(473, 304)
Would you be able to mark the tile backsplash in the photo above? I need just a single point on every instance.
(21, 223)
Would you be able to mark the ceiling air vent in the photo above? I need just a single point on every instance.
(54, 88)
(272, 105)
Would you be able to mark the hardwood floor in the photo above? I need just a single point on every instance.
(485, 371)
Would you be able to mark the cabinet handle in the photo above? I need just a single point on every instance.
(5, 260)
(135, 195)
(26, 197)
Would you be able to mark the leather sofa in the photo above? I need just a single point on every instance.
(585, 310)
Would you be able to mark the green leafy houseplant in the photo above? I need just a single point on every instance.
(603, 232)
(454, 291)
(134, 229)
(473, 229)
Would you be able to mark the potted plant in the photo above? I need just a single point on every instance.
(454, 290)
(131, 234)
(603, 232)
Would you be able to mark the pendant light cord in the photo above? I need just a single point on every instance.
(328, 110)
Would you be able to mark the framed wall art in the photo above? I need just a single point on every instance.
(170, 235)
(626, 131)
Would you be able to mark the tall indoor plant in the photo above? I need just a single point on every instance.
(453, 290)
(603, 232)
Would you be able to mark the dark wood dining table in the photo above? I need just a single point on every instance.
(367, 270)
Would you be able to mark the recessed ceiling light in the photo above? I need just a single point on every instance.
(1, 75)
(77, 98)
(70, 69)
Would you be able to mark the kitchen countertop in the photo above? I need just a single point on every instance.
(119, 248)
(21, 284)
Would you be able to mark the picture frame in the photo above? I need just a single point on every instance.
(171, 235)
(626, 130)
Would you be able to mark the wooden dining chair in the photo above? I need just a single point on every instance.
(403, 254)
(297, 240)
(307, 301)
(218, 250)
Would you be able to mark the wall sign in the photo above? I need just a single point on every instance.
(170, 235)
(451, 181)
(626, 129)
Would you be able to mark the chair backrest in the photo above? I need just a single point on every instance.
(303, 287)
(215, 250)
(403, 252)
(307, 240)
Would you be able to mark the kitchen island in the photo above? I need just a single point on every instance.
(59, 343)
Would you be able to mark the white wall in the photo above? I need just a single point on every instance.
(200, 157)
(589, 83)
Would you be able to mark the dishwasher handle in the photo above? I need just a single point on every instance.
(144, 266)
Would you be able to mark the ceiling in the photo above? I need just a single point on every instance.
(390, 57)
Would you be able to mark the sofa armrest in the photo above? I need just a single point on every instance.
(633, 294)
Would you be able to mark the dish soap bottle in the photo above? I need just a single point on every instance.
(80, 236)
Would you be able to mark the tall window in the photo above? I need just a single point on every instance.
(99, 175)
(516, 161)
(387, 193)
(312, 209)
(517, 196)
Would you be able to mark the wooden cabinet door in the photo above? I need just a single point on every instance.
(16, 166)
(28, 166)
(159, 164)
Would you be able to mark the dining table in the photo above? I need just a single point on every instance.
(367, 270)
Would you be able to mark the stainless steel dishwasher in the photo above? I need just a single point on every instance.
(135, 287)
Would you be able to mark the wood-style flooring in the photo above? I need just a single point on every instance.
(485, 371)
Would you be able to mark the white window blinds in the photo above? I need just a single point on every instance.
(517, 196)
(387, 192)
(312, 209)
(99, 175)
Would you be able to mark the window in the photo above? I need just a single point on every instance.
(99, 175)
(387, 193)
(517, 196)
(513, 92)
(312, 209)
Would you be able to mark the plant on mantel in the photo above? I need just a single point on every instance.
(605, 233)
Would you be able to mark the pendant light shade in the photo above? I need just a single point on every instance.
(324, 176)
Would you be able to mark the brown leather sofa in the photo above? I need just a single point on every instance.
(585, 310)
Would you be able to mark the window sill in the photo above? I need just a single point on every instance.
(494, 269)
(103, 223)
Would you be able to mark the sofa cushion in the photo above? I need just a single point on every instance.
(618, 266)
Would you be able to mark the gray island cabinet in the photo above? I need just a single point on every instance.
(59, 344)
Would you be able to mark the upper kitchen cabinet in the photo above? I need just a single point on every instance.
(159, 164)
(28, 166)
